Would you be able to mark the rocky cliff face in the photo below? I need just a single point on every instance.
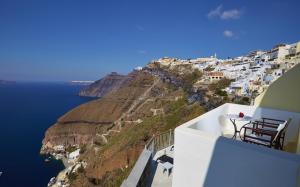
(85, 123)
(114, 128)
(110, 82)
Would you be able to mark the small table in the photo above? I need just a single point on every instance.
(167, 167)
(235, 117)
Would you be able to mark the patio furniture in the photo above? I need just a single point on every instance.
(272, 124)
(235, 117)
(266, 133)
(167, 166)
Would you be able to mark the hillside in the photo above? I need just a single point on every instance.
(110, 82)
(112, 130)
(80, 125)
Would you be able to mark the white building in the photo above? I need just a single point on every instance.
(138, 68)
(166, 61)
(265, 57)
(279, 52)
(59, 148)
(205, 157)
(214, 75)
(74, 155)
(204, 59)
(255, 54)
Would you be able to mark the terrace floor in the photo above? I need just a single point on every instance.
(161, 177)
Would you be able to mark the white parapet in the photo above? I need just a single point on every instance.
(202, 157)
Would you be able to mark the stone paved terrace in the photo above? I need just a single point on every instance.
(161, 177)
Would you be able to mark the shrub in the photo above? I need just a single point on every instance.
(188, 79)
(220, 85)
(71, 149)
(221, 93)
(83, 149)
(209, 68)
(72, 176)
(80, 169)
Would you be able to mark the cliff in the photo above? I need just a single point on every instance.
(110, 82)
(113, 129)
(82, 124)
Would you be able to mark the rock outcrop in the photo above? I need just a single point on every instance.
(110, 82)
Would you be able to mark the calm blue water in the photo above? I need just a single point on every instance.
(26, 111)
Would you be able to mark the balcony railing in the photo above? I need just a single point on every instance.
(142, 170)
(160, 142)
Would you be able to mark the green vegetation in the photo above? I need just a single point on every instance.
(243, 100)
(80, 169)
(209, 68)
(108, 180)
(220, 85)
(221, 93)
(254, 94)
(72, 176)
(190, 79)
(176, 113)
(218, 89)
(71, 149)
(82, 149)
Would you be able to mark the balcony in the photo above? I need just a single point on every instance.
(151, 167)
(205, 151)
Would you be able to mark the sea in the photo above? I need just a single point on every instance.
(27, 110)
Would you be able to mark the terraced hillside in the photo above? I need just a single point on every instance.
(112, 130)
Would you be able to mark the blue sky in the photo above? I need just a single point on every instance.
(60, 40)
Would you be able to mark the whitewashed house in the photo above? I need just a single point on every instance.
(74, 155)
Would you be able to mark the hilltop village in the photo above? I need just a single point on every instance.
(250, 74)
(101, 140)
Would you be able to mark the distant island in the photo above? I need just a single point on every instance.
(81, 82)
(7, 82)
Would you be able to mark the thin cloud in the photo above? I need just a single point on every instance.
(231, 14)
(216, 12)
(224, 14)
(228, 34)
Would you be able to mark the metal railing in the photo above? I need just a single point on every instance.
(161, 141)
(141, 172)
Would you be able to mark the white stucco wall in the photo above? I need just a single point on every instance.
(212, 122)
(203, 158)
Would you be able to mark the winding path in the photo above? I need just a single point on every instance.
(133, 105)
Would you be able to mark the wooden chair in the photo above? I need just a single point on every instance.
(272, 124)
(267, 132)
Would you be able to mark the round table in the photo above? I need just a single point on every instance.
(235, 117)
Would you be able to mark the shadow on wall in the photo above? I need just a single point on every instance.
(237, 164)
(283, 94)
